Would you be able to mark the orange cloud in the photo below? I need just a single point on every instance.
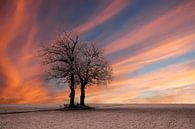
(8, 31)
(16, 89)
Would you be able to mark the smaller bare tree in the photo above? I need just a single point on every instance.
(59, 57)
(92, 68)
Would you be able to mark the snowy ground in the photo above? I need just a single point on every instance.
(103, 117)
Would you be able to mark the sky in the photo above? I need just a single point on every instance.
(149, 44)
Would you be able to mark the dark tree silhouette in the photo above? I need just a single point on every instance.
(92, 68)
(59, 58)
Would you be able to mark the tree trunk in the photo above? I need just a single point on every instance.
(72, 94)
(82, 97)
(72, 91)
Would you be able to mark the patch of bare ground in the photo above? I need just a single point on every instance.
(104, 117)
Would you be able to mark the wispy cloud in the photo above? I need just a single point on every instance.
(163, 50)
(115, 7)
(155, 87)
(169, 22)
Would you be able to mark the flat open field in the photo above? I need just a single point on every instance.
(103, 117)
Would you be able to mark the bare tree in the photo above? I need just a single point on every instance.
(92, 68)
(59, 58)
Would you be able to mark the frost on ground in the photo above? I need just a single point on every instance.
(105, 117)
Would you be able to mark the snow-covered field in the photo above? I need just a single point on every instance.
(103, 117)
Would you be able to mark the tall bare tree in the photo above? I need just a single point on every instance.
(92, 68)
(59, 57)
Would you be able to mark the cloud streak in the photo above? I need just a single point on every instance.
(170, 21)
(115, 7)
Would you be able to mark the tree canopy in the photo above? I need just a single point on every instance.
(76, 62)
